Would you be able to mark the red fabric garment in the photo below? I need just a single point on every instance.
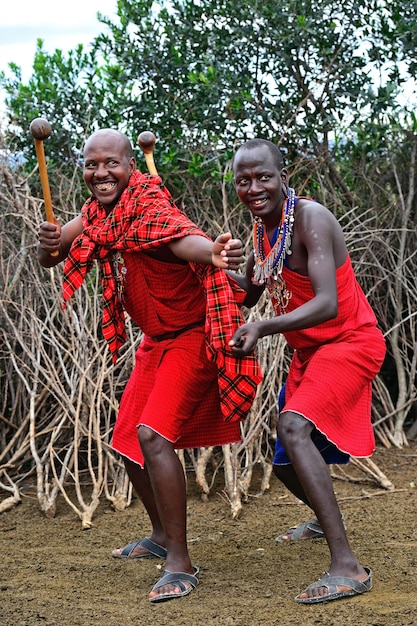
(334, 364)
(353, 310)
(161, 297)
(238, 376)
(173, 388)
(144, 218)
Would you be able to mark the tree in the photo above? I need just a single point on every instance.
(205, 75)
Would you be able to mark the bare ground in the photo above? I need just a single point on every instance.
(53, 573)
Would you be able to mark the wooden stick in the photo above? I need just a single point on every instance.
(146, 141)
(41, 130)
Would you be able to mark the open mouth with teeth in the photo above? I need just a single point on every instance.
(104, 186)
(258, 203)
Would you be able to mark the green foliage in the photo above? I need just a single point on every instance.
(67, 90)
(206, 75)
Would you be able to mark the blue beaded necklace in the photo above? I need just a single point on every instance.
(270, 264)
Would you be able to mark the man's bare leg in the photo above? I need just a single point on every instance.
(287, 475)
(166, 477)
(315, 480)
(140, 480)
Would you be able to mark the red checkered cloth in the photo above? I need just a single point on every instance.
(145, 218)
(238, 376)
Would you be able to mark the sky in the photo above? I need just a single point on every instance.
(61, 25)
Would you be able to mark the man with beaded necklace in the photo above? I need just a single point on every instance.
(300, 257)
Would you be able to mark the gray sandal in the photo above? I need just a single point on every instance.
(295, 533)
(332, 583)
(154, 550)
(178, 579)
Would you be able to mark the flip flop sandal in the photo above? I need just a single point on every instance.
(332, 583)
(154, 550)
(178, 579)
(295, 533)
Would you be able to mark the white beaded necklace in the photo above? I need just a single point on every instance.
(271, 264)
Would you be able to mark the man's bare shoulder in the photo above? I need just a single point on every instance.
(315, 223)
(309, 210)
(73, 228)
(307, 204)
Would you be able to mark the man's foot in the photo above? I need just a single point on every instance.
(143, 549)
(335, 587)
(308, 530)
(174, 585)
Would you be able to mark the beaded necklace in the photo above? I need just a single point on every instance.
(119, 271)
(270, 264)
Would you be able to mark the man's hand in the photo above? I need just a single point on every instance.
(227, 253)
(54, 237)
(245, 338)
(50, 236)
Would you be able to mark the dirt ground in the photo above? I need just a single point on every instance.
(53, 573)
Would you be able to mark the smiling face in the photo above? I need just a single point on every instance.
(108, 165)
(259, 182)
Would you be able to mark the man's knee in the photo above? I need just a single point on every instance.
(150, 442)
(147, 437)
(293, 428)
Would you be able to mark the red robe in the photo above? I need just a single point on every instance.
(334, 364)
(173, 388)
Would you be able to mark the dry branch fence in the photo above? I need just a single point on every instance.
(60, 392)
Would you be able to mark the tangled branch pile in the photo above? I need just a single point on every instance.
(60, 393)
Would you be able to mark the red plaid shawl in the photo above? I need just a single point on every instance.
(144, 218)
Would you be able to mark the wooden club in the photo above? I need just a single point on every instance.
(146, 141)
(40, 130)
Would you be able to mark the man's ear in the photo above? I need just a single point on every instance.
(284, 176)
(132, 164)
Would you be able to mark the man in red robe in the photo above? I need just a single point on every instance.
(188, 389)
(300, 257)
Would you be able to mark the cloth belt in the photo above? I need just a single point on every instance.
(175, 333)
